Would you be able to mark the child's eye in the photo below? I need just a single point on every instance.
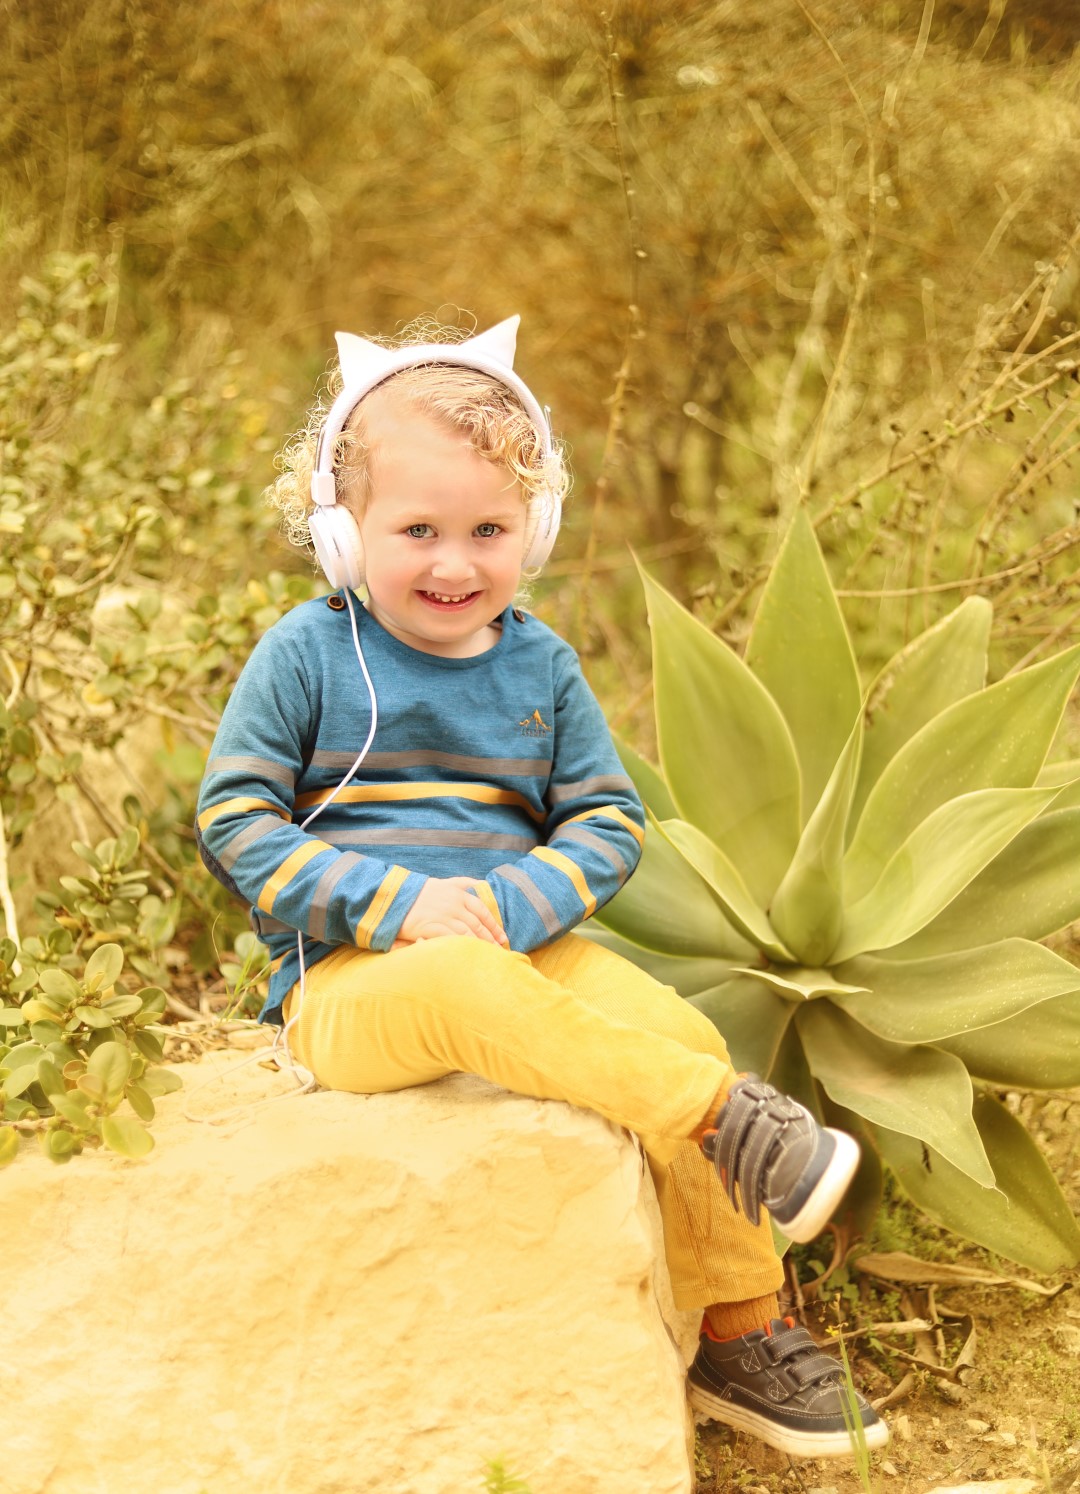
(418, 531)
(487, 531)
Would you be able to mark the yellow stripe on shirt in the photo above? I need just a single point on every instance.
(392, 793)
(287, 870)
(610, 812)
(570, 869)
(238, 806)
(380, 902)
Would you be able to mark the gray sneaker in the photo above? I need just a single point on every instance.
(776, 1384)
(774, 1152)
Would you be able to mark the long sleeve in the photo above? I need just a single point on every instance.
(593, 831)
(292, 878)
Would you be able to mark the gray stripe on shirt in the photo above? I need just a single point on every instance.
(422, 757)
(595, 843)
(247, 836)
(413, 836)
(265, 767)
(320, 900)
(548, 917)
(604, 783)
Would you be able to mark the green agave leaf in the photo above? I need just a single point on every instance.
(791, 1074)
(995, 739)
(1030, 890)
(918, 1091)
(922, 1001)
(938, 860)
(800, 651)
(667, 906)
(687, 974)
(1067, 776)
(931, 673)
(751, 1020)
(862, 1200)
(1039, 1049)
(652, 789)
(729, 888)
(725, 749)
(1025, 1219)
(808, 909)
(798, 983)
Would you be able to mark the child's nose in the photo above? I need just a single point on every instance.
(452, 562)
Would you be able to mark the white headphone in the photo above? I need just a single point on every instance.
(334, 532)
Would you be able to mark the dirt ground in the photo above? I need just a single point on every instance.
(1013, 1412)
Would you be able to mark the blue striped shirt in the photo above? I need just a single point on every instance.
(498, 767)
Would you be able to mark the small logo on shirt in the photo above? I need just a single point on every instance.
(534, 726)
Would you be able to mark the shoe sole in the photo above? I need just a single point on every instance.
(819, 1208)
(792, 1440)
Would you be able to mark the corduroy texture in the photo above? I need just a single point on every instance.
(570, 1022)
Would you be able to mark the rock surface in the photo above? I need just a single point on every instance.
(335, 1294)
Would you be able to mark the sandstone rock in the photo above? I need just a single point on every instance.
(335, 1294)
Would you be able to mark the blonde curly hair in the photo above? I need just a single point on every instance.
(464, 400)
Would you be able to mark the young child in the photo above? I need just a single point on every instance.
(472, 812)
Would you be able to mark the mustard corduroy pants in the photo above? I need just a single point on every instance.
(572, 1021)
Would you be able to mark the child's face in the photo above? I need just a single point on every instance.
(443, 533)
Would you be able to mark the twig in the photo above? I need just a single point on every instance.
(633, 327)
(7, 902)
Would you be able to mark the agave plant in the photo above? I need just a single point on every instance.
(853, 885)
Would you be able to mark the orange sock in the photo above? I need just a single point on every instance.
(708, 1120)
(732, 1319)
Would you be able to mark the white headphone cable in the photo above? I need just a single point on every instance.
(280, 1046)
(282, 1036)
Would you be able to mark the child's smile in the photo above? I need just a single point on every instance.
(443, 533)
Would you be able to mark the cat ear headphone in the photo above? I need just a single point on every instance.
(334, 532)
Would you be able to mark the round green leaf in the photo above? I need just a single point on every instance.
(111, 1063)
(103, 967)
(60, 1145)
(1025, 1218)
(59, 984)
(50, 1078)
(140, 1102)
(159, 1082)
(126, 1135)
(9, 1144)
(121, 1006)
(91, 1016)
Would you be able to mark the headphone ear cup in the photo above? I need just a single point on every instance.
(546, 532)
(340, 550)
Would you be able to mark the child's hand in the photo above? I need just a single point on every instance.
(446, 905)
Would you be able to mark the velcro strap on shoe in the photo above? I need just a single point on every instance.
(741, 1147)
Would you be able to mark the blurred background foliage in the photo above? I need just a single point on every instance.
(817, 251)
